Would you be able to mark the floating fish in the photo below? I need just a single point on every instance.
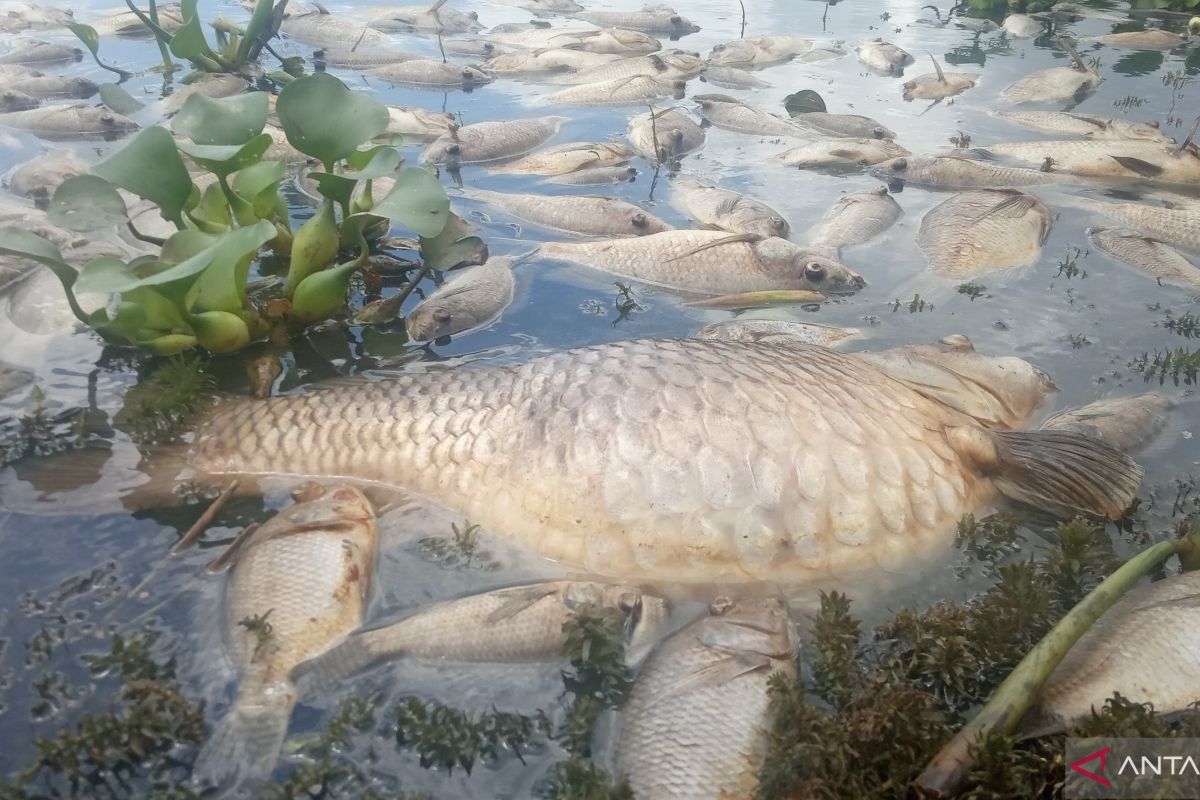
(840, 153)
(1089, 126)
(587, 215)
(729, 210)
(481, 142)
(1125, 423)
(1023, 26)
(983, 230)
(657, 20)
(1149, 255)
(1052, 85)
(69, 120)
(664, 135)
(883, 57)
(40, 53)
(782, 333)
(634, 90)
(669, 65)
(732, 114)
(597, 175)
(1105, 158)
(569, 157)
(470, 300)
(855, 219)
(427, 72)
(1177, 226)
(939, 84)
(757, 52)
(322, 29)
(962, 173)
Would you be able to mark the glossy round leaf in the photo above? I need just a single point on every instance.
(222, 121)
(417, 201)
(324, 119)
(803, 102)
(150, 167)
(86, 203)
(223, 159)
(118, 99)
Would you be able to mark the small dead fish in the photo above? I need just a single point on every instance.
(711, 262)
(781, 333)
(322, 29)
(40, 53)
(36, 84)
(883, 57)
(939, 84)
(980, 231)
(1052, 85)
(587, 215)
(728, 210)
(1149, 255)
(665, 136)
(597, 175)
(472, 299)
(399, 19)
(475, 48)
(549, 59)
(551, 6)
(1089, 126)
(361, 59)
(1125, 423)
(1105, 158)
(481, 142)
(843, 125)
(12, 100)
(767, 299)
(1175, 226)
(604, 40)
(855, 219)
(696, 721)
(31, 15)
(69, 120)
(635, 90)
(418, 123)
(520, 623)
(1150, 39)
(569, 157)
(757, 52)
(837, 153)
(427, 72)
(219, 85)
(729, 113)
(657, 20)
(40, 176)
(732, 78)
(1023, 26)
(1144, 647)
(126, 23)
(297, 584)
(960, 172)
(667, 65)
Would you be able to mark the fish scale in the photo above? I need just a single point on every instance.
(1177, 226)
(591, 215)
(1101, 158)
(1150, 256)
(981, 231)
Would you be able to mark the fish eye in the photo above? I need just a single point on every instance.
(639, 220)
(814, 271)
(900, 164)
(720, 605)
(107, 119)
(453, 149)
(879, 133)
(441, 315)
(675, 20)
(777, 223)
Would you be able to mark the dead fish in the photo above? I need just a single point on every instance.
(569, 157)
(12, 100)
(635, 90)
(427, 72)
(696, 722)
(520, 623)
(961, 172)
(32, 52)
(732, 78)
(728, 210)
(587, 215)
(69, 120)
(682, 460)
(665, 136)
(855, 219)
(471, 300)
(219, 85)
(597, 175)
(1104, 158)
(651, 19)
(711, 263)
(757, 52)
(35, 84)
(297, 584)
(1144, 647)
(782, 333)
(939, 84)
(1176, 226)
(1150, 39)
(31, 15)
(551, 6)
(490, 141)
(397, 19)
(322, 29)
(40, 176)
(418, 123)
(13, 379)
(843, 125)
(604, 40)
(548, 59)
(729, 113)
(1149, 255)
(667, 65)
(843, 152)
(1023, 26)
(1125, 423)
(983, 230)
(126, 23)
(883, 57)
(361, 59)
(475, 48)
(767, 299)
(1052, 85)
(1089, 126)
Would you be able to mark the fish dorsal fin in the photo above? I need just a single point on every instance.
(716, 673)
(724, 240)
(1014, 206)
(941, 76)
(321, 9)
(522, 598)
(1138, 165)
(1187, 140)
(727, 204)
(1090, 120)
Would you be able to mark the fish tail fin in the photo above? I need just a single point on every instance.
(245, 745)
(1065, 472)
(325, 672)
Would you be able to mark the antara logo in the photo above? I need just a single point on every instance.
(1159, 765)
(1102, 756)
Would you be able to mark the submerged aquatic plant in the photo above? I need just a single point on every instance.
(158, 408)
(1186, 325)
(446, 737)
(41, 431)
(1175, 363)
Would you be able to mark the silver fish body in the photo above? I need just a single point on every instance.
(615, 41)
(732, 114)
(551, 59)
(939, 85)
(591, 176)
(587, 215)
(841, 153)
(855, 219)
(883, 57)
(668, 65)
(69, 120)
(728, 210)
(711, 262)
(481, 142)
(960, 172)
(1146, 254)
(756, 52)
(695, 724)
(732, 77)
(305, 573)
(219, 85)
(665, 136)
(13, 100)
(983, 230)
(1125, 423)
(1151, 39)
(36, 84)
(468, 301)
(1023, 26)
(419, 123)
(847, 125)
(686, 461)
(1178, 226)
(34, 52)
(1090, 126)
(40, 176)
(660, 20)
(1052, 85)
(635, 90)
(362, 59)
(393, 19)
(569, 157)
(126, 23)
(324, 30)
(1133, 159)
(427, 72)
(782, 333)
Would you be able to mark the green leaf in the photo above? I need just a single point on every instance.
(185, 244)
(258, 184)
(454, 247)
(226, 120)
(150, 167)
(130, 319)
(161, 313)
(107, 274)
(86, 34)
(86, 203)
(119, 100)
(220, 331)
(171, 344)
(23, 243)
(322, 294)
(377, 162)
(324, 119)
(223, 159)
(214, 208)
(189, 42)
(221, 286)
(337, 188)
(417, 201)
(259, 26)
(803, 102)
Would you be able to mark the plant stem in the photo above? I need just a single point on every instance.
(947, 772)
(161, 36)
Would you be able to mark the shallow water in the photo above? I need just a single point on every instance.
(1082, 330)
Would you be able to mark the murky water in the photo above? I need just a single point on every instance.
(1083, 329)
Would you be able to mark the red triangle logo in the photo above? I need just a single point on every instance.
(1102, 755)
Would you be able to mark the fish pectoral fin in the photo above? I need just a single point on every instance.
(716, 673)
(1064, 472)
(1140, 166)
(1014, 207)
(724, 240)
(941, 76)
(522, 597)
